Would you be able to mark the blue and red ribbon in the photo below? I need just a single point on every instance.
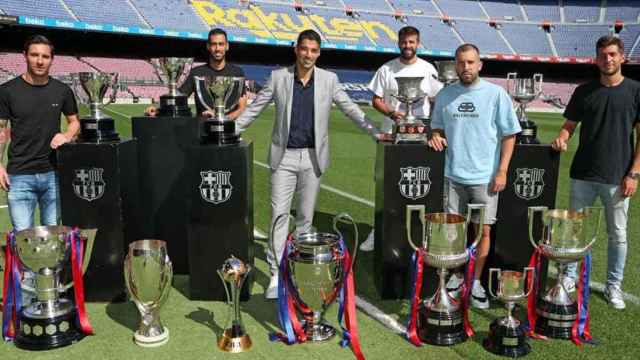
(468, 284)
(347, 306)
(580, 331)
(77, 251)
(417, 274)
(535, 262)
(11, 292)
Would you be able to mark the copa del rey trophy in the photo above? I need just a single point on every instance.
(169, 70)
(524, 91)
(410, 129)
(225, 91)
(447, 72)
(98, 127)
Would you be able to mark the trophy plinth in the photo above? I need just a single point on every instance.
(234, 339)
(225, 91)
(169, 70)
(523, 91)
(98, 127)
(410, 129)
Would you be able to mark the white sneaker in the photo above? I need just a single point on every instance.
(272, 290)
(479, 298)
(369, 244)
(613, 294)
(454, 285)
(569, 284)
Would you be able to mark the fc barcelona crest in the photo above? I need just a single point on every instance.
(88, 183)
(414, 182)
(529, 183)
(215, 186)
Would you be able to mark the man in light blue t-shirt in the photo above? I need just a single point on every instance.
(474, 120)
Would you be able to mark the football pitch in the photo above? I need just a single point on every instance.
(347, 187)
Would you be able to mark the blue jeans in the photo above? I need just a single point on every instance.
(27, 191)
(616, 209)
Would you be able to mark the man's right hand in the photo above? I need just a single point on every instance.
(151, 111)
(559, 144)
(437, 142)
(396, 116)
(4, 179)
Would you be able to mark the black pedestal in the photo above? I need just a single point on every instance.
(555, 321)
(506, 341)
(405, 174)
(98, 189)
(174, 105)
(219, 181)
(98, 130)
(49, 333)
(441, 328)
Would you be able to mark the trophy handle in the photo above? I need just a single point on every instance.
(86, 258)
(273, 229)
(491, 272)
(532, 275)
(347, 217)
(114, 87)
(167, 289)
(511, 77)
(197, 80)
(420, 210)
(590, 213)
(470, 208)
(532, 212)
(226, 288)
(537, 80)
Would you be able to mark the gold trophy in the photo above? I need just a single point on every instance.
(233, 273)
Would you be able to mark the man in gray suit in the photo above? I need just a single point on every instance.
(299, 152)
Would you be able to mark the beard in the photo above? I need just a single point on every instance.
(467, 78)
(408, 53)
(607, 72)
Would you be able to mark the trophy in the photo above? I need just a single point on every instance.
(148, 273)
(169, 70)
(410, 129)
(507, 336)
(524, 91)
(51, 321)
(98, 127)
(441, 318)
(566, 237)
(225, 91)
(234, 339)
(447, 72)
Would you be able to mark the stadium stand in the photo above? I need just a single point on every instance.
(526, 39)
(482, 35)
(577, 40)
(434, 33)
(368, 5)
(540, 10)
(421, 7)
(503, 10)
(117, 12)
(42, 8)
(169, 14)
(461, 9)
(625, 10)
(582, 11)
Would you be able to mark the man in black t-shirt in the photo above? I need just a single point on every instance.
(217, 46)
(607, 163)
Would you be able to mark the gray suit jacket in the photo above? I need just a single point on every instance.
(327, 90)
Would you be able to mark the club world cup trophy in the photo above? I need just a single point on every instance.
(169, 70)
(51, 321)
(447, 72)
(410, 129)
(148, 273)
(225, 91)
(524, 91)
(566, 237)
(98, 127)
(507, 336)
(441, 319)
(233, 273)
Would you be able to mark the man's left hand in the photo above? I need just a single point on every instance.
(58, 140)
(628, 186)
(499, 181)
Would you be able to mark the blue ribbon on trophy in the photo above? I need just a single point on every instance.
(580, 331)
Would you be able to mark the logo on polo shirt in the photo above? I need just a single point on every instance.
(414, 182)
(529, 183)
(215, 186)
(466, 107)
(88, 183)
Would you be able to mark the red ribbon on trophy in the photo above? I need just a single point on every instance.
(348, 306)
(11, 291)
(77, 251)
(417, 273)
(580, 331)
(466, 291)
(532, 316)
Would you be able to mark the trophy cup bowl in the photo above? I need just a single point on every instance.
(234, 339)
(169, 70)
(567, 236)
(97, 127)
(447, 72)
(507, 336)
(410, 129)
(50, 321)
(524, 91)
(148, 274)
(440, 319)
(225, 93)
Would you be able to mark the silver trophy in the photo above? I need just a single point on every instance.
(410, 129)
(148, 273)
(507, 336)
(51, 321)
(225, 93)
(169, 70)
(447, 72)
(567, 237)
(317, 274)
(524, 91)
(98, 127)
(234, 339)
(440, 319)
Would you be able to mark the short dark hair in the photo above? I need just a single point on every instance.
(309, 35)
(217, 31)
(408, 31)
(37, 39)
(467, 47)
(609, 40)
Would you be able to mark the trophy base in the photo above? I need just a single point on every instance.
(215, 132)
(98, 131)
(174, 106)
(506, 341)
(555, 321)
(318, 332)
(50, 333)
(411, 133)
(151, 341)
(441, 328)
(231, 343)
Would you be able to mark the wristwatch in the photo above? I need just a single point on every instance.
(634, 175)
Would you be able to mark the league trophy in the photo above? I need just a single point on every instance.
(524, 91)
(410, 129)
(440, 320)
(97, 127)
(148, 273)
(225, 91)
(51, 321)
(234, 339)
(567, 236)
(169, 70)
(507, 336)
(447, 72)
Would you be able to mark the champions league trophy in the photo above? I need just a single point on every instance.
(51, 321)
(97, 127)
(410, 129)
(567, 236)
(524, 91)
(225, 91)
(447, 72)
(441, 318)
(234, 339)
(169, 70)
(507, 336)
(148, 273)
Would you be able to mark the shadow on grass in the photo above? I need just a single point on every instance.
(124, 313)
(205, 317)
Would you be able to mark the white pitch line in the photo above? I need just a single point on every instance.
(380, 315)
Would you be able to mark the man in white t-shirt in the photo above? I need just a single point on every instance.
(384, 85)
